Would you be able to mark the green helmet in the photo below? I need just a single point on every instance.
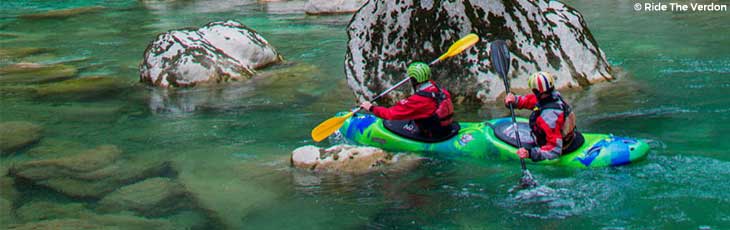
(419, 71)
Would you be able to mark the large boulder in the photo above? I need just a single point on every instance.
(385, 36)
(217, 52)
(349, 159)
(89, 174)
(15, 135)
(151, 197)
(332, 6)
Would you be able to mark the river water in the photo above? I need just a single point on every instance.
(674, 75)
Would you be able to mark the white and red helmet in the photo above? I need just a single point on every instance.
(541, 81)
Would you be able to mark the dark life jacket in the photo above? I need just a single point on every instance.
(439, 123)
(568, 129)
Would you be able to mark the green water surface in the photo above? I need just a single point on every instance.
(672, 92)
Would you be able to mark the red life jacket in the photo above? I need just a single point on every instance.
(440, 120)
(568, 129)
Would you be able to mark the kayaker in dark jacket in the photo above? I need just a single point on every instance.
(430, 107)
(552, 121)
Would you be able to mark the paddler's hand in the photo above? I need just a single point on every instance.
(523, 153)
(366, 105)
(509, 99)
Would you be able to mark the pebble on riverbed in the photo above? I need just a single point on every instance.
(349, 159)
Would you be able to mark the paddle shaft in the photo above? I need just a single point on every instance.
(500, 61)
(514, 124)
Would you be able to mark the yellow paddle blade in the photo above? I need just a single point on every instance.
(328, 127)
(460, 45)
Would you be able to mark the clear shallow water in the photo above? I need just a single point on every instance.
(672, 93)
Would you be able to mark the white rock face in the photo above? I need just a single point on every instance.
(332, 6)
(385, 36)
(218, 52)
(349, 159)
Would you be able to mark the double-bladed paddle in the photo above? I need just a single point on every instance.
(500, 61)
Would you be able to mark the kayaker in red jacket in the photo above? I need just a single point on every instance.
(552, 121)
(430, 107)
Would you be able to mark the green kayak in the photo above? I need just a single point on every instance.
(490, 140)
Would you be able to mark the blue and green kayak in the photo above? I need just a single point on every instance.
(491, 140)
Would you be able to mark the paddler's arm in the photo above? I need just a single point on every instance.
(550, 122)
(407, 109)
(521, 102)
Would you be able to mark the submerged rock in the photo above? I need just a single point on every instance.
(152, 197)
(230, 190)
(16, 135)
(89, 174)
(54, 148)
(86, 87)
(7, 189)
(385, 36)
(218, 52)
(44, 210)
(6, 213)
(19, 52)
(35, 73)
(347, 158)
(97, 222)
(333, 6)
(65, 13)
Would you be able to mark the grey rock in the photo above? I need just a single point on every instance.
(350, 159)
(218, 52)
(385, 36)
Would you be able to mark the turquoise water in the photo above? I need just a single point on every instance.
(674, 78)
